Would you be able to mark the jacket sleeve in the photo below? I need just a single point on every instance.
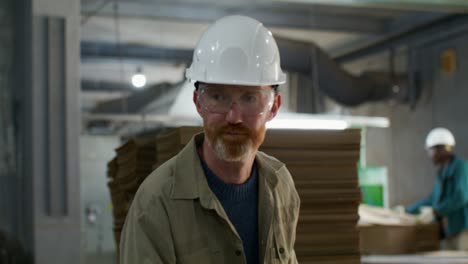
(414, 208)
(146, 236)
(458, 197)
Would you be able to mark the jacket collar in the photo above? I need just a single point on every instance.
(190, 181)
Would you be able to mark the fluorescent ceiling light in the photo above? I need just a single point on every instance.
(307, 124)
(367, 121)
(323, 121)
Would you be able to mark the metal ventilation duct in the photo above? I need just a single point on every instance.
(331, 79)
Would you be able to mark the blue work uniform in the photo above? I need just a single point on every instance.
(449, 197)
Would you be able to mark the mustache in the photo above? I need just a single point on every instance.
(241, 129)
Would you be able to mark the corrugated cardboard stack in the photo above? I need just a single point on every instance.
(169, 143)
(126, 172)
(384, 231)
(324, 168)
(398, 239)
(427, 237)
(117, 195)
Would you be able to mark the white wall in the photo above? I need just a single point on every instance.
(98, 238)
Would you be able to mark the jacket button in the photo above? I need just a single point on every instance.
(281, 250)
(238, 252)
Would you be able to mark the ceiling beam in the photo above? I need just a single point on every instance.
(270, 16)
(456, 6)
(172, 120)
(105, 86)
(100, 50)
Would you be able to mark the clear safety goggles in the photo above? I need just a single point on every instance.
(220, 99)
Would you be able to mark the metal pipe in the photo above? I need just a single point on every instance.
(426, 33)
(346, 89)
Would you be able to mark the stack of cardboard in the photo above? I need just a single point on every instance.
(386, 231)
(117, 195)
(398, 239)
(126, 172)
(112, 168)
(427, 237)
(169, 143)
(323, 165)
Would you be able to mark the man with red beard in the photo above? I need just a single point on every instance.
(220, 200)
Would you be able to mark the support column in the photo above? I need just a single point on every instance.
(47, 70)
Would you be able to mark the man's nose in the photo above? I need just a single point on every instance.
(234, 115)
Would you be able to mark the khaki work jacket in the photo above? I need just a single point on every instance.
(176, 218)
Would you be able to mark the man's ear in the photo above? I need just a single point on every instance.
(449, 149)
(275, 108)
(196, 102)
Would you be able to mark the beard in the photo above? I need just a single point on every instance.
(234, 148)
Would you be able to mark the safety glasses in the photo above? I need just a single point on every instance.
(251, 101)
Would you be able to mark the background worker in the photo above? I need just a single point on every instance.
(449, 196)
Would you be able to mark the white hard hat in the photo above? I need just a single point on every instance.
(440, 136)
(236, 50)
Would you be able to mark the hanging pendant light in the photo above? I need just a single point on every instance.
(138, 79)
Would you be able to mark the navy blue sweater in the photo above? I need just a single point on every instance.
(240, 204)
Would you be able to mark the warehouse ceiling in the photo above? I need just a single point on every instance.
(120, 36)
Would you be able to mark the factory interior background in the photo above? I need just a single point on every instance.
(67, 99)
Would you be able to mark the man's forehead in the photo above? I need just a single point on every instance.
(237, 87)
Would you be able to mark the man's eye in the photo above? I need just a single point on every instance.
(217, 97)
(250, 98)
